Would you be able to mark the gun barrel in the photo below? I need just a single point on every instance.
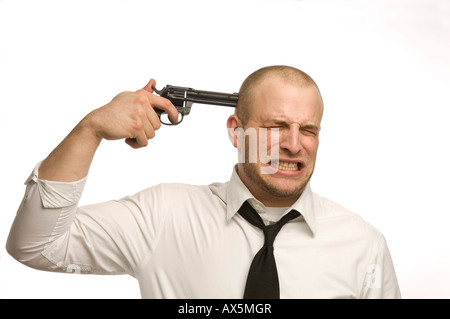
(216, 98)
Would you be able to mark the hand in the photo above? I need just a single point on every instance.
(130, 116)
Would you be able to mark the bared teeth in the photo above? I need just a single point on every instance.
(288, 166)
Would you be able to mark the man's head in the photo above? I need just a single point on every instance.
(286, 102)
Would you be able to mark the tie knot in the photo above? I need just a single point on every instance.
(270, 231)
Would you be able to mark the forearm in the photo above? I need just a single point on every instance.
(71, 159)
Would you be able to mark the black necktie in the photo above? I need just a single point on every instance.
(262, 280)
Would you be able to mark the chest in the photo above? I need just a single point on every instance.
(212, 261)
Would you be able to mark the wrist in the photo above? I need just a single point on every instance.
(88, 129)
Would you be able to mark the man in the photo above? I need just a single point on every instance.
(185, 241)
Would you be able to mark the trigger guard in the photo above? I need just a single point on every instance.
(161, 112)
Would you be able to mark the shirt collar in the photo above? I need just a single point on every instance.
(238, 193)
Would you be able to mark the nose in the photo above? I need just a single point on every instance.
(291, 139)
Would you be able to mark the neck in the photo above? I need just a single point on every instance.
(277, 202)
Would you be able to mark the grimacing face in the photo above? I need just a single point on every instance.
(293, 113)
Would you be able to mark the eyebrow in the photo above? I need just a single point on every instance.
(310, 127)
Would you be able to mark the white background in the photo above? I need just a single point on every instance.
(383, 68)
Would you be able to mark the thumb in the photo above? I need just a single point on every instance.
(149, 85)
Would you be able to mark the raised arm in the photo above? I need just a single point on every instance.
(130, 116)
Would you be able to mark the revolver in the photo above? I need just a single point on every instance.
(183, 98)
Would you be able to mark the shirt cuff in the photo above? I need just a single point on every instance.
(57, 194)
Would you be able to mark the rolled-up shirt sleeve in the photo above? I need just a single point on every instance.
(50, 232)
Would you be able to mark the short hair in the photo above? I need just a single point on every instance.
(287, 73)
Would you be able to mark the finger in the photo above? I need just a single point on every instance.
(148, 86)
(162, 104)
(165, 105)
(148, 129)
(141, 138)
(132, 142)
(153, 119)
(173, 116)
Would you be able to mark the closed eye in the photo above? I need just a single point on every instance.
(309, 132)
(310, 129)
(276, 124)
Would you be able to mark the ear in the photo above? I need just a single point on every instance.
(233, 123)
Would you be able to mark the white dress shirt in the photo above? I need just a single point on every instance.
(187, 241)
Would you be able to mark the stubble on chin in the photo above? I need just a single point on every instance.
(251, 173)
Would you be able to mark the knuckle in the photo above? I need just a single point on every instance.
(140, 99)
(137, 125)
(140, 112)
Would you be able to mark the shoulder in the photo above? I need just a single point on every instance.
(178, 193)
(190, 189)
(334, 214)
(172, 188)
